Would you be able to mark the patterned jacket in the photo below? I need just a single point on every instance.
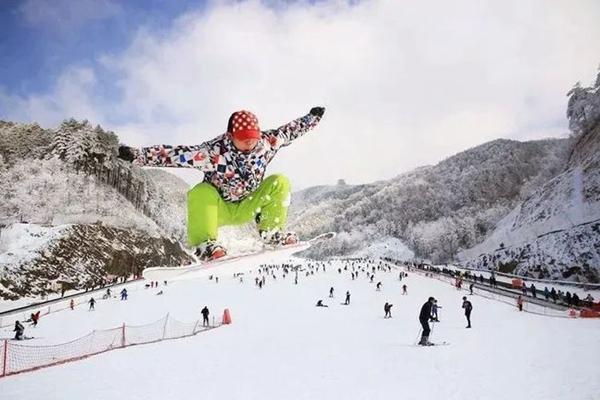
(234, 173)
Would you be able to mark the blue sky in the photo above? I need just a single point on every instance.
(39, 39)
(406, 83)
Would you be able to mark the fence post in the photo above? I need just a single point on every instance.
(165, 327)
(123, 335)
(5, 357)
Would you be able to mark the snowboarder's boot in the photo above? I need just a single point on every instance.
(278, 239)
(424, 341)
(210, 250)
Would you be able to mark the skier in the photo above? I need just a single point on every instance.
(72, 304)
(424, 316)
(404, 289)
(320, 304)
(35, 318)
(347, 301)
(387, 308)
(378, 286)
(520, 302)
(19, 330)
(205, 314)
(234, 190)
(92, 303)
(471, 287)
(434, 311)
(468, 308)
(331, 292)
(124, 294)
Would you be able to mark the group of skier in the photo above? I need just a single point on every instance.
(429, 313)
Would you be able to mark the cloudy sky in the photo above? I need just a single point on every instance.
(405, 83)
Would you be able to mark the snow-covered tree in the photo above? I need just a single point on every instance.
(583, 110)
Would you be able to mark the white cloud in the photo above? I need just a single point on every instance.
(65, 15)
(71, 96)
(404, 83)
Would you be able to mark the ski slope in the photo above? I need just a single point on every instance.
(280, 346)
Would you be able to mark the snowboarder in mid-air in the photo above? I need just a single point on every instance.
(424, 317)
(234, 190)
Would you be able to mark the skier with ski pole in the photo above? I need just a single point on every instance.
(234, 190)
(424, 317)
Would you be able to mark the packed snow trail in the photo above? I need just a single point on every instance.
(281, 346)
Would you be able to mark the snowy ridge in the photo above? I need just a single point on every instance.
(555, 232)
(434, 210)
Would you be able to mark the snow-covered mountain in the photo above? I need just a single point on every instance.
(435, 210)
(85, 211)
(555, 232)
(525, 207)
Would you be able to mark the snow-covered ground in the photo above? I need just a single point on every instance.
(389, 247)
(280, 346)
(20, 242)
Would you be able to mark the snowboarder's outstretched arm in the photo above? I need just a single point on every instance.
(162, 155)
(286, 134)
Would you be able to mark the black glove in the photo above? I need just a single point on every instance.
(126, 153)
(317, 111)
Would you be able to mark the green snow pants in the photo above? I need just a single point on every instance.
(207, 211)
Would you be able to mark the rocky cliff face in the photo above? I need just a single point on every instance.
(81, 256)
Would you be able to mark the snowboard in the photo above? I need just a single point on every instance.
(230, 264)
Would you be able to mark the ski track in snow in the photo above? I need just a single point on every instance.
(280, 346)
